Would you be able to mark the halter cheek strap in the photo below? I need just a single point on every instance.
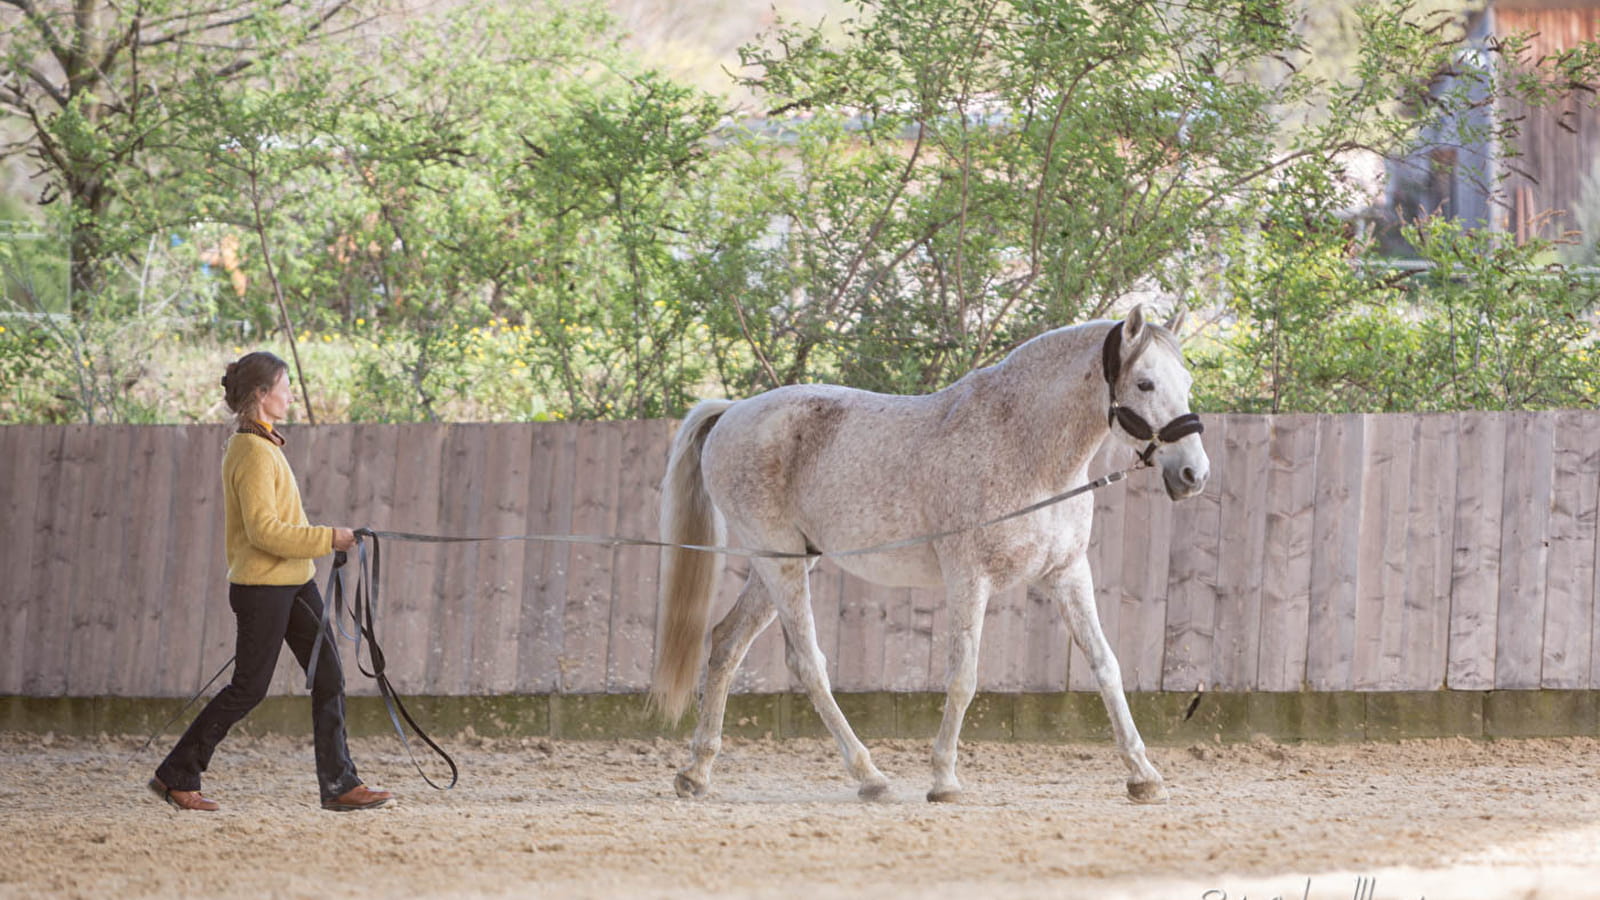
(1131, 422)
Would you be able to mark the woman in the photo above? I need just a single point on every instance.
(274, 596)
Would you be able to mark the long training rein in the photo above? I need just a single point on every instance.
(361, 606)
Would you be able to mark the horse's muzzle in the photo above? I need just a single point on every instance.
(1184, 481)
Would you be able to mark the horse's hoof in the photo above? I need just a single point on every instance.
(944, 795)
(873, 790)
(687, 787)
(1147, 791)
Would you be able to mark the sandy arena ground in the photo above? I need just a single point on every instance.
(1435, 819)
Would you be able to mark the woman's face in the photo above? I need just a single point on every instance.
(275, 402)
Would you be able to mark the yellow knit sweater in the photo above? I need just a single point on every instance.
(268, 538)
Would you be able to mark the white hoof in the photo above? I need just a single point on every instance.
(687, 787)
(1147, 791)
(873, 790)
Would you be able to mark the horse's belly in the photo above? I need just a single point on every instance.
(913, 567)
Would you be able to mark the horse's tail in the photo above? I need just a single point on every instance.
(689, 577)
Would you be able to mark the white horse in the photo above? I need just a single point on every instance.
(811, 468)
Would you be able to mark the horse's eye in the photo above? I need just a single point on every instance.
(1146, 385)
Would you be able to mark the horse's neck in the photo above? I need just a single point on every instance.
(1054, 397)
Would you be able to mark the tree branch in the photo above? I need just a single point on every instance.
(61, 51)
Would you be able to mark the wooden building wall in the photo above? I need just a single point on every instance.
(1368, 553)
(1556, 145)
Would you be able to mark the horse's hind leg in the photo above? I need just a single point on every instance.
(966, 604)
(730, 641)
(807, 663)
(1073, 589)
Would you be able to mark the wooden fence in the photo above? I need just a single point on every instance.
(1330, 553)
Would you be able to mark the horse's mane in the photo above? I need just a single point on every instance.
(1071, 335)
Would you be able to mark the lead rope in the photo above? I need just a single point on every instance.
(364, 599)
(363, 616)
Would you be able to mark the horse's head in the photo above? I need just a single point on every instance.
(1150, 401)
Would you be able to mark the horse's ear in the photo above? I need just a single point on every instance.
(1133, 333)
(1175, 323)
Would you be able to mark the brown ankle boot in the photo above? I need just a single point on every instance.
(359, 797)
(182, 799)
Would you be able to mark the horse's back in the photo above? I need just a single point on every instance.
(787, 432)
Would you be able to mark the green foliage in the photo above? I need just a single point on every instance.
(1488, 326)
(503, 215)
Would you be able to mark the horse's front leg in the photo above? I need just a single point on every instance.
(1072, 586)
(966, 601)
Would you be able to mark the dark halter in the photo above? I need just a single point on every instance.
(1131, 422)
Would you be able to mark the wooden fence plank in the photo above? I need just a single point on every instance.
(643, 463)
(905, 650)
(1335, 566)
(763, 670)
(1002, 655)
(49, 527)
(926, 604)
(1291, 479)
(411, 570)
(371, 504)
(99, 584)
(1147, 536)
(1048, 644)
(196, 509)
(550, 493)
(145, 518)
(1192, 576)
(1381, 552)
(1475, 561)
(827, 590)
(25, 448)
(461, 502)
(1524, 548)
(862, 624)
(67, 518)
(493, 646)
(899, 643)
(1430, 537)
(1235, 651)
(587, 615)
(1570, 567)
(1594, 604)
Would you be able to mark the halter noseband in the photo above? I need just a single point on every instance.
(1131, 422)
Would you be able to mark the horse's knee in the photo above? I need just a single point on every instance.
(961, 689)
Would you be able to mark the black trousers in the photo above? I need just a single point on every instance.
(270, 616)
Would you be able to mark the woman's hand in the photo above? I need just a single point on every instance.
(343, 538)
